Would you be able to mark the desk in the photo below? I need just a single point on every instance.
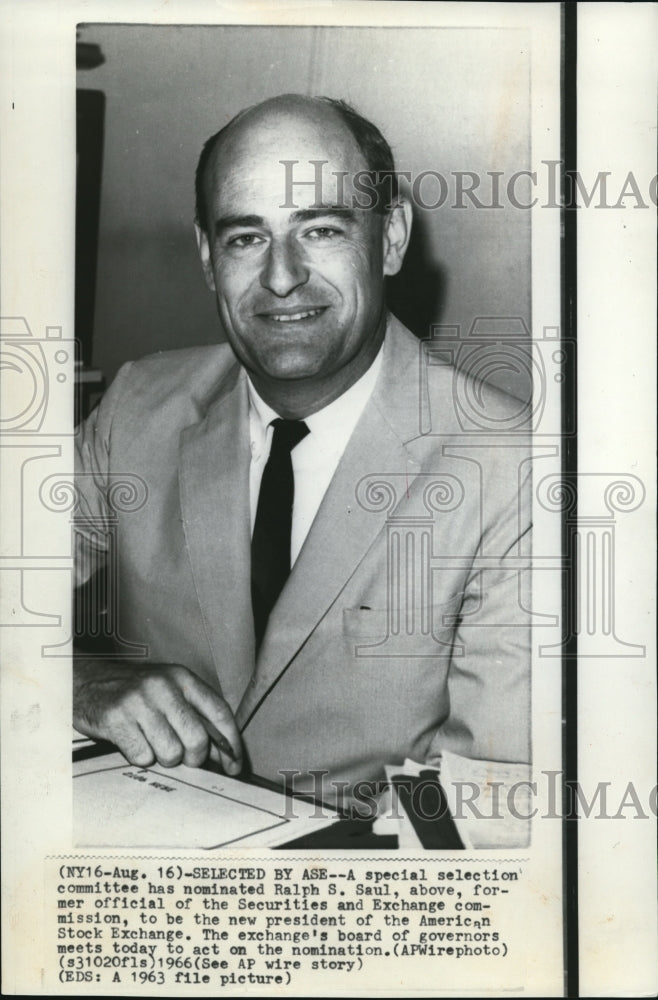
(346, 834)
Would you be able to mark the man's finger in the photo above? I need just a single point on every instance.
(217, 718)
(226, 763)
(223, 750)
(191, 730)
(167, 746)
(134, 746)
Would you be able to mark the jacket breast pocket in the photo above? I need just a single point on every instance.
(365, 623)
(436, 622)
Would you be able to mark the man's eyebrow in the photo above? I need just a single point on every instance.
(337, 211)
(301, 215)
(230, 221)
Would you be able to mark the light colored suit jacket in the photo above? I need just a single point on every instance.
(403, 627)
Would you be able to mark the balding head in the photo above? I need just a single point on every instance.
(296, 123)
(297, 266)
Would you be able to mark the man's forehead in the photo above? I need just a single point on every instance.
(286, 123)
(253, 156)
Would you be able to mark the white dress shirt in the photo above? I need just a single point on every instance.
(315, 458)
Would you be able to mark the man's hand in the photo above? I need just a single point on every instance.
(160, 712)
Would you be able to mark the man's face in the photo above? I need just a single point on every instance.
(300, 291)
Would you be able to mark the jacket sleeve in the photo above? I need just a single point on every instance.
(93, 513)
(489, 675)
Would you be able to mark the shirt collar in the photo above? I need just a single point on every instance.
(330, 428)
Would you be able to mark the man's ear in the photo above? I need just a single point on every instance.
(205, 255)
(397, 230)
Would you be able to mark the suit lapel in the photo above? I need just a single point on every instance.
(343, 529)
(214, 491)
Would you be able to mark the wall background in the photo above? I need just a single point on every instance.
(446, 99)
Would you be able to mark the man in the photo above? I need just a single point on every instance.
(366, 652)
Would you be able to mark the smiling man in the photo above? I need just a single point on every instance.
(300, 291)
(290, 624)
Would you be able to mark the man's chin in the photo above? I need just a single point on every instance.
(294, 369)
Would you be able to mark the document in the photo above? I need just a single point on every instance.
(116, 804)
(488, 802)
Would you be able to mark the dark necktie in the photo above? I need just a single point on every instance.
(270, 543)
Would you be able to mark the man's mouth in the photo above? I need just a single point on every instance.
(293, 317)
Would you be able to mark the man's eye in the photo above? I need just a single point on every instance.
(245, 240)
(323, 233)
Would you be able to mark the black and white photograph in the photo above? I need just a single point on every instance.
(315, 553)
(308, 548)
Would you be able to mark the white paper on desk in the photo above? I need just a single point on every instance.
(116, 804)
(500, 798)
(488, 800)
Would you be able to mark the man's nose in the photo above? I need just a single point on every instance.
(284, 269)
